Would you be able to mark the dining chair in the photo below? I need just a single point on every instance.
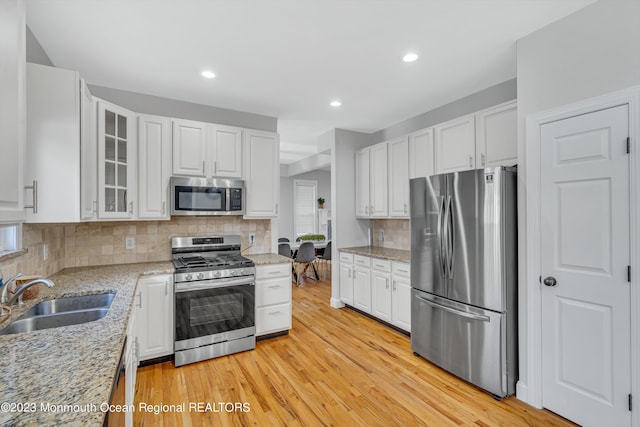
(283, 239)
(306, 256)
(284, 249)
(326, 258)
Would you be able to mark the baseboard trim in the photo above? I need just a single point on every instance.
(336, 303)
(272, 335)
(156, 360)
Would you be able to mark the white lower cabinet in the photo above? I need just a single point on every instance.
(273, 298)
(401, 296)
(154, 308)
(377, 286)
(131, 365)
(346, 278)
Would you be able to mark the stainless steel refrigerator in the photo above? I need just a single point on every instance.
(464, 275)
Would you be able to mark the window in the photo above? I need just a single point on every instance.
(10, 237)
(304, 202)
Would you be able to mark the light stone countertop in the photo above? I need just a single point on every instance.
(270, 258)
(70, 365)
(380, 252)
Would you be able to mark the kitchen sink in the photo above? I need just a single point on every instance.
(60, 305)
(62, 312)
(35, 323)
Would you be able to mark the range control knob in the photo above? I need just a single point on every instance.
(216, 274)
(243, 271)
(234, 272)
(200, 276)
(188, 277)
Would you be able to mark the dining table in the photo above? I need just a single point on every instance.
(318, 244)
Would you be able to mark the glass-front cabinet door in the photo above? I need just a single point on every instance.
(116, 161)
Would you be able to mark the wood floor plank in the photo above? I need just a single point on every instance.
(336, 367)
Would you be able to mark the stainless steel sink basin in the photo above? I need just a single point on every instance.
(62, 312)
(61, 305)
(28, 324)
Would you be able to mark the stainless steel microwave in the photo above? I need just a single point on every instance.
(207, 196)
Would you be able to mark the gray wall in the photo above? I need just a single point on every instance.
(150, 104)
(589, 53)
(494, 95)
(35, 52)
(285, 222)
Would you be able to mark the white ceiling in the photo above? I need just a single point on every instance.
(290, 58)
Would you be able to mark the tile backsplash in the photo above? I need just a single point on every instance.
(397, 233)
(101, 243)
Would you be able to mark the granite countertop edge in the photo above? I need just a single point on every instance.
(71, 365)
(268, 258)
(400, 255)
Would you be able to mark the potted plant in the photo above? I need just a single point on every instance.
(321, 202)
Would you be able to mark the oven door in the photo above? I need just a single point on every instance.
(213, 311)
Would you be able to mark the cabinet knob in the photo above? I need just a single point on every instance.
(482, 159)
(471, 161)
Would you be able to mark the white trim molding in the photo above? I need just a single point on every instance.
(531, 392)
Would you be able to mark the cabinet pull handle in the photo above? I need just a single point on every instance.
(394, 285)
(273, 313)
(95, 206)
(139, 300)
(405, 208)
(276, 208)
(34, 205)
(366, 210)
(470, 161)
(482, 159)
(273, 273)
(166, 287)
(273, 287)
(164, 208)
(131, 208)
(203, 167)
(215, 168)
(370, 209)
(386, 283)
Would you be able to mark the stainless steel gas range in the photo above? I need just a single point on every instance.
(214, 298)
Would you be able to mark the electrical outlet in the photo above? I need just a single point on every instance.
(252, 238)
(45, 252)
(381, 235)
(130, 242)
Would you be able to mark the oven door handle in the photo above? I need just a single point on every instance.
(213, 284)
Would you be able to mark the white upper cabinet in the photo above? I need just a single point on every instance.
(455, 145)
(60, 146)
(117, 162)
(13, 108)
(379, 174)
(362, 182)
(226, 150)
(421, 154)
(189, 147)
(496, 136)
(154, 166)
(262, 177)
(88, 155)
(399, 177)
(204, 149)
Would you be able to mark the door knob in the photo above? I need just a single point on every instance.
(549, 281)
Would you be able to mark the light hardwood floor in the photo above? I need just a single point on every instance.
(336, 367)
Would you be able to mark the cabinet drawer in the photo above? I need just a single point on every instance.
(362, 261)
(401, 269)
(273, 270)
(345, 257)
(381, 265)
(273, 291)
(273, 318)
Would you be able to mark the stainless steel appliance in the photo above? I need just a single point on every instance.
(214, 298)
(464, 275)
(206, 196)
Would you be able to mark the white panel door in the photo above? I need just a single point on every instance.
(362, 289)
(346, 283)
(378, 179)
(89, 156)
(421, 155)
(381, 295)
(262, 177)
(189, 147)
(585, 253)
(399, 177)
(154, 316)
(401, 303)
(154, 166)
(455, 145)
(227, 156)
(362, 182)
(497, 136)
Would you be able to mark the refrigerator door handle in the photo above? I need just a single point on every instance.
(441, 237)
(454, 311)
(450, 237)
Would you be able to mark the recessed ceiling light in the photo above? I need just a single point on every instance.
(335, 103)
(410, 57)
(208, 74)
